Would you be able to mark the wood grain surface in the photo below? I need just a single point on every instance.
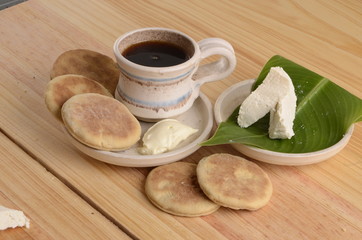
(68, 195)
(54, 210)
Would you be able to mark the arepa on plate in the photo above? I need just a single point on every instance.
(100, 122)
(63, 87)
(91, 64)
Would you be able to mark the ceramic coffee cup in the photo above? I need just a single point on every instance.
(154, 92)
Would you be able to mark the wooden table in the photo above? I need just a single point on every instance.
(68, 195)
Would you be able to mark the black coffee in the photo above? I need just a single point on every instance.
(156, 54)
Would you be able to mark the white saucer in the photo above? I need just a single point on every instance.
(200, 116)
(232, 97)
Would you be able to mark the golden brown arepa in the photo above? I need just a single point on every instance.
(174, 189)
(234, 182)
(93, 65)
(100, 122)
(61, 88)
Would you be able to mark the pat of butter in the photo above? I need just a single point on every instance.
(275, 95)
(164, 136)
(10, 218)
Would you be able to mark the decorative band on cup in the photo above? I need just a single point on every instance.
(155, 105)
(156, 79)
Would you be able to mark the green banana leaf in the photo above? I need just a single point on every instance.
(324, 113)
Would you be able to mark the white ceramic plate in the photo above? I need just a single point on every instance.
(200, 116)
(232, 97)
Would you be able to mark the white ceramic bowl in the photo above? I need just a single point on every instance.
(232, 97)
(199, 116)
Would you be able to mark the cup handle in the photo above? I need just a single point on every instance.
(216, 70)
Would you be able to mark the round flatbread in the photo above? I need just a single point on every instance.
(174, 189)
(93, 65)
(234, 182)
(100, 122)
(61, 88)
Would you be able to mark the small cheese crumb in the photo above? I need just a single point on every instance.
(10, 218)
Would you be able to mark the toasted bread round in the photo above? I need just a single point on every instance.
(174, 189)
(234, 182)
(93, 65)
(100, 122)
(61, 88)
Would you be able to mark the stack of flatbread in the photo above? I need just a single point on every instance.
(188, 189)
(80, 94)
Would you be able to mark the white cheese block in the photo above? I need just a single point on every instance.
(282, 118)
(164, 136)
(275, 95)
(10, 218)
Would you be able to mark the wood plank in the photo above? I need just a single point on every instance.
(54, 210)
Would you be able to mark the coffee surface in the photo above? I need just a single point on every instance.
(156, 54)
